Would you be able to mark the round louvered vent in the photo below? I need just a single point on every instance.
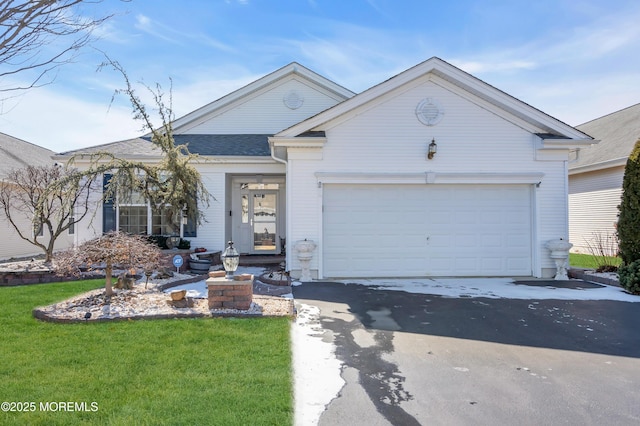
(429, 112)
(293, 100)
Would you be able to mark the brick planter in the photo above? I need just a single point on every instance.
(230, 294)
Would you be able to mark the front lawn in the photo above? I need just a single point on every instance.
(222, 371)
(590, 261)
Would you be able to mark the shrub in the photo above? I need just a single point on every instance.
(604, 249)
(159, 240)
(184, 244)
(629, 209)
(629, 277)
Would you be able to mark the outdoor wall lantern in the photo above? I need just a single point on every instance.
(230, 260)
(433, 148)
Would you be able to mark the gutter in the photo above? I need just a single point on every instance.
(273, 152)
(622, 161)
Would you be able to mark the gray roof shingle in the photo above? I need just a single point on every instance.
(617, 132)
(130, 147)
(209, 145)
(226, 145)
(17, 154)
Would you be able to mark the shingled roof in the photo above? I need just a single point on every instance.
(17, 154)
(226, 145)
(137, 147)
(618, 133)
(206, 145)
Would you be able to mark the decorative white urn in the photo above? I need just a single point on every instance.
(304, 250)
(560, 254)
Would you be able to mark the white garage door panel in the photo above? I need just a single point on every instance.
(410, 230)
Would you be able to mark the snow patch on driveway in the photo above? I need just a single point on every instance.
(494, 288)
(317, 378)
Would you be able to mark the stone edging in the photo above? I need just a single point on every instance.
(40, 313)
(279, 283)
(43, 316)
(195, 279)
(588, 275)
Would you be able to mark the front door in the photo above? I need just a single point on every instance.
(259, 222)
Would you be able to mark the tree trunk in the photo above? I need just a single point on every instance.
(108, 288)
(48, 255)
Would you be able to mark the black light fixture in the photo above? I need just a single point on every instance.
(433, 148)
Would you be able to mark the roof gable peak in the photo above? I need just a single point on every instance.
(452, 75)
(291, 69)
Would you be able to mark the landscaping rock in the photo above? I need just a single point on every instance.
(178, 295)
(151, 303)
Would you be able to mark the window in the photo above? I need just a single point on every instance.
(38, 229)
(164, 222)
(132, 215)
(108, 207)
(133, 219)
(72, 220)
(245, 209)
(190, 229)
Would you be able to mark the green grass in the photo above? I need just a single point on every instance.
(590, 261)
(222, 371)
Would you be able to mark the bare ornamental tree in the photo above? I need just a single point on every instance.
(43, 202)
(113, 250)
(39, 36)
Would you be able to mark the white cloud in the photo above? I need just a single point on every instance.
(578, 75)
(474, 67)
(60, 123)
(50, 118)
(156, 29)
(144, 22)
(202, 92)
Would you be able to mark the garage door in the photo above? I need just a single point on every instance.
(434, 230)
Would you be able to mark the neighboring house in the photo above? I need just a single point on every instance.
(17, 154)
(595, 179)
(295, 156)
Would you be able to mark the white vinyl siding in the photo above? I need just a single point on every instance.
(593, 206)
(265, 112)
(13, 246)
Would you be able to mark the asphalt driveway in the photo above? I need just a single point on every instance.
(420, 358)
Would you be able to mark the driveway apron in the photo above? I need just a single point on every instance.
(412, 359)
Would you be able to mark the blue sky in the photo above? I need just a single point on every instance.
(573, 59)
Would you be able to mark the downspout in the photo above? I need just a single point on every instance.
(273, 154)
(287, 206)
(566, 198)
